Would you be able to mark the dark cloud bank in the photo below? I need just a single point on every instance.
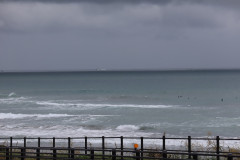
(119, 34)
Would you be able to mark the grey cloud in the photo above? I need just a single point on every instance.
(94, 1)
(32, 17)
(119, 34)
(224, 3)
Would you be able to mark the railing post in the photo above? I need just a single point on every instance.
(23, 153)
(11, 145)
(72, 153)
(38, 154)
(54, 154)
(92, 153)
(164, 154)
(54, 142)
(163, 143)
(54, 150)
(7, 153)
(11, 141)
(23, 150)
(38, 149)
(189, 147)
(113, 154)
(39, 142)
(195, 156)
(85, 145)
(218, 147)
(121, 147)
(103, 147)
(230, 157)
(24, 141)
(137, 154)
(142, 148)
(69, 146)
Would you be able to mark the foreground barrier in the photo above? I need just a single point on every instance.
(37, 149)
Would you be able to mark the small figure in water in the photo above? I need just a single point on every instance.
(222, 99)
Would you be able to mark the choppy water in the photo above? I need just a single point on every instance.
(75, 104)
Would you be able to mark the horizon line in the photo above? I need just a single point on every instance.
(120, 70)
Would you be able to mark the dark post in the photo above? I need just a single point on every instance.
(54, 142)
(23, 153)
(103, 147)
(113, 154)
(11, 142)
(69, 146)
(54, 154)
(54, 150)
(85, 145)
(164, 154)
(7, 153)
(189, 147)
(25, 141)
(195, 156)
(69, 142)
(39, 142)
(38, 150)
(137, 154)
(92, 153)
(218, 147)
(23, 150)
(230, 157)
(142, 148)
(38, 154)
(72, 153)
(163, 143)
(121, 147)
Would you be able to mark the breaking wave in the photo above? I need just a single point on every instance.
(12, 94)
(50, 115)
(90, 105)
(20, 116)
(128, 128)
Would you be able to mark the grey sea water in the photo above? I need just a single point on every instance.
(76, 104)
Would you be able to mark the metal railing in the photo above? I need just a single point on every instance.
(81, 148)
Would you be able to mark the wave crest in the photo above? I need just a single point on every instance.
(21, 116)
(128, 128)
(12, 94)
(90, 105)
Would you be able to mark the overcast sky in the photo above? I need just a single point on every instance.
(119, 34)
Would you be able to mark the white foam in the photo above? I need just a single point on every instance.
(62, 104)
(12, 94)
(90, 105)
(15, 100)
(50, 115)
(21, 130)
(128, 128)
(21, 116)
(70, 131)
(63, 131)
(49, 103)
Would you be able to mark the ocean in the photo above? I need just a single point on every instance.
(123, 103)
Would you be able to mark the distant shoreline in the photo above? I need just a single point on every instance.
(113, 70)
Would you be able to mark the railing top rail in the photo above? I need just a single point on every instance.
(121, 137)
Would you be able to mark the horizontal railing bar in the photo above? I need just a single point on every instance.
(132, 151)
(160, 138)
(109, 150)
